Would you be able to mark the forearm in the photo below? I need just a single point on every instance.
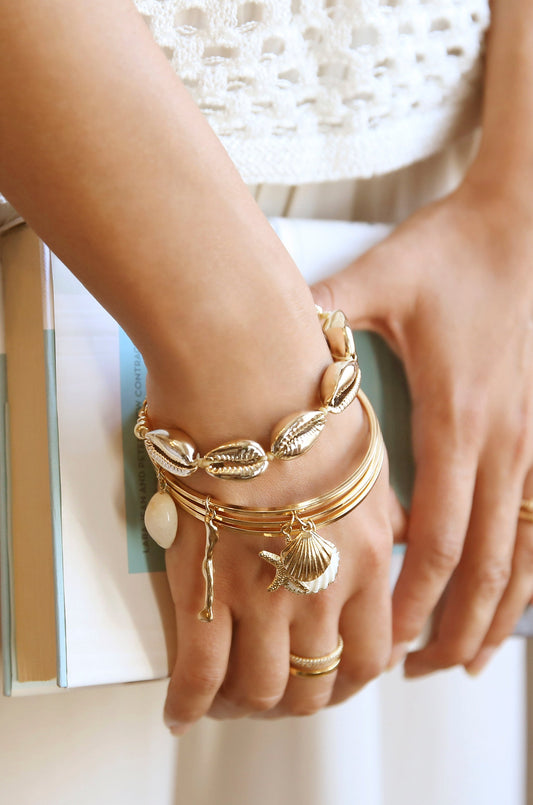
(505, 159)
(109, 159)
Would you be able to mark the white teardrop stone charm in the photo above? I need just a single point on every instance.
(161, 519)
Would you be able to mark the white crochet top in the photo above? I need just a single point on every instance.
(315, 90)
(311, 90)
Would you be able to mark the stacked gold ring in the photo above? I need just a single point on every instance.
(317, 666)
(526, 510)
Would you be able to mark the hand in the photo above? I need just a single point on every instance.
(238, 664)
(452, 292)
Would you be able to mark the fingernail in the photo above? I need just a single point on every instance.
(479, 662)
(177, 728)
(398, 653)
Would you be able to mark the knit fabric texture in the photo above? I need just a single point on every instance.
(315, 90)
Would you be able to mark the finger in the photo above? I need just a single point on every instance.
(314, 635)
(481, 578)
(203, 654)
(258, 667)
(517, 596)
(365, 625)
(398, 518)
(367, 290)
(203, 648)
(440, 513)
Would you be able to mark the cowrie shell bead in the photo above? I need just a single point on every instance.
(341, 343)
(296, 434)
(161, 519)
(339, 386)
(172, 450)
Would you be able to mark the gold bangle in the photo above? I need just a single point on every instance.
(308, 563)
(175, 452)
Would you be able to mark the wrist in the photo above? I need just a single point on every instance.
(500, 189)
(239, 373)
(244, 453)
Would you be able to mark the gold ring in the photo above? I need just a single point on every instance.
(323, 672)
(526, 510)
(316, 666)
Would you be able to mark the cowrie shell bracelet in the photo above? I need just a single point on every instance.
(175, 452)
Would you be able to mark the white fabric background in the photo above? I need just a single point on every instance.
(445, 740)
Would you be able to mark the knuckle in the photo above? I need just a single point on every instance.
(256, 703)
(310, 705)
(377, 552)
(524, 557)
(452, 654)
(201, 681)
(515, 433)
(443, 555)
(469, 418)
(460, 413)
(491, 578)
(457, 652)
(360, 673)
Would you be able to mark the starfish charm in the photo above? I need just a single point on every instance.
(282, 578)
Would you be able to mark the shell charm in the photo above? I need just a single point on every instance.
(235, 461)
(308, 563)
(161, 519)
(175, 453)
(297, 433)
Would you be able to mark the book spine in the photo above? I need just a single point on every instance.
(53, 458)
(5, 577)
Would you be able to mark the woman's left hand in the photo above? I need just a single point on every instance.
(452, 292)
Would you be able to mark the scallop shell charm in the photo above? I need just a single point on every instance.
(327, 577)
(236, 461)
(308, 563)
(340, 384)
(174, 453)
(297, 433)
(307, 555)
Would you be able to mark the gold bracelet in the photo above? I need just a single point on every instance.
(175, 452)
(308, 563)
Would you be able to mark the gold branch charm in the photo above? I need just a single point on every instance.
(308, 563)
(211, 539)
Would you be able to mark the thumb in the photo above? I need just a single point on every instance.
(366, 290)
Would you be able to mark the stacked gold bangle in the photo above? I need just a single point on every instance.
(308, 563)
